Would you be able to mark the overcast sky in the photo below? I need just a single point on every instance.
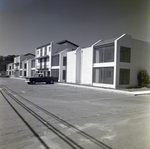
(28, 24)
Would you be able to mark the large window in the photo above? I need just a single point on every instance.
(20, 65)
(124, 78)
(64, 74)
(33, 64)
(20, 72)
(103, 75)
(55, 60)
(25, 73)
(64, 61)
(25, 66)
(45, 52)
(104, 54)
(32, 72)
(125, 54)
(55, 73)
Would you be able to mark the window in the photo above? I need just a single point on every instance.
(33, 64)
(48, 73)
(55, 60)
(64, 74)
(125, 54)
(38, 52)
(45, 50)
(32, 72)
(10, 67)
(64, 61)
(55, 73)
(25, 73)
(104, 54)
(124, 78)
(25, 66)
(41, 52)
(20, 65)
(103, 75)
(20, 73)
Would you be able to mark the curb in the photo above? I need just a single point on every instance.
(134, 93)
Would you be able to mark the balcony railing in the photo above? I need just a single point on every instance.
(42, 67)
(16, 68)
(40, 57)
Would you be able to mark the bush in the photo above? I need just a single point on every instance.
(143, 79)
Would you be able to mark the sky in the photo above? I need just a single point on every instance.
(28, 24)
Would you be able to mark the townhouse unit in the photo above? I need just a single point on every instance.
(10, 69)
(28, 67)
(51, 58)
(20, 66)
(113, 63)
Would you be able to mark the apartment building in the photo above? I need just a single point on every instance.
(20, 64)
(51, 58)
(112, 63)
(10, 69)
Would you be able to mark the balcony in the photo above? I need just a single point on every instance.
(16, 69)
(46, 67)
(40, 57)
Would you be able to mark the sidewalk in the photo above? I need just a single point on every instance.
(17, 78)
(131, 92)
(123, 91)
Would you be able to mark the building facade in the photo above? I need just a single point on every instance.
(19, 68)
(51, 58)
(10, 69)
(113, 63)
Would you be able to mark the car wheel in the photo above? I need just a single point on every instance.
(51, 82)
(33, 82)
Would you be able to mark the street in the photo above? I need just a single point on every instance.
(64, 117)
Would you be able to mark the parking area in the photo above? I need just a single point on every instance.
(117, 119)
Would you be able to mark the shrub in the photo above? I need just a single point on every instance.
(143, 79)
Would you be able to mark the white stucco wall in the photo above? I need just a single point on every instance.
(125, 41)
(62, 54)
(71, 67)
(140, 59)
(86, 65)
(78, 65)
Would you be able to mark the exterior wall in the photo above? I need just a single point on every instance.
(43, 59)
(71, 67)
(62, 68)
(16, 66)
(140, 59)
(18, 61)
(10, 69)
(86, 65)
(78, 65)
(126, 41)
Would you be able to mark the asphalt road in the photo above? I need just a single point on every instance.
(67, 117)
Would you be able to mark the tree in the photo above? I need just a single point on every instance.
(143, 79)
(4, 60)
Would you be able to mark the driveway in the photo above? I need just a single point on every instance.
(92, 118)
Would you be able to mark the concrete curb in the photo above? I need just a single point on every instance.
(134, 93)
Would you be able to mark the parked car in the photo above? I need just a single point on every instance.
(39, 77)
